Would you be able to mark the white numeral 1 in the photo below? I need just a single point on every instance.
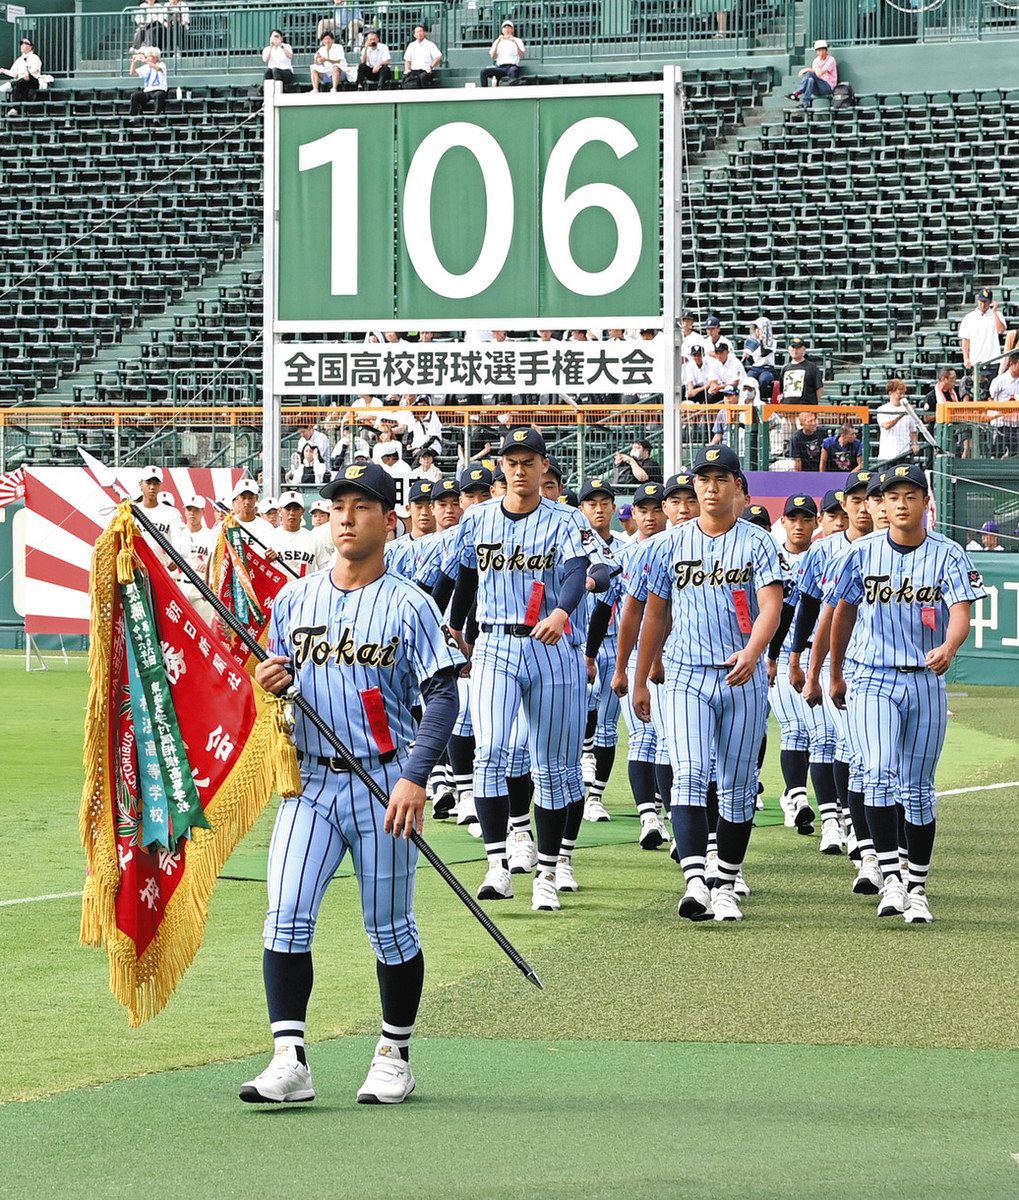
(339, 150)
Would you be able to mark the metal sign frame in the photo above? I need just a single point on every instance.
(669, 88)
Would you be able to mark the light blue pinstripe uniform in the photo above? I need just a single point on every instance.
(550, 681)
(648, 742)
(387, 636)
(600, 695)
(897, 707)
(803, 727)
(404, 555)
(707, 721)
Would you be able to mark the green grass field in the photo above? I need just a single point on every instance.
(810, 1051)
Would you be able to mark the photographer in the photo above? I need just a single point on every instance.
(151, 70)
(278, 58)
(25, 72)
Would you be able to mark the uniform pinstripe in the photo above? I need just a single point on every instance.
(387, 636)
(707, 721)
(897, 707)
(647, 738)
(404, 555)
(601, 697)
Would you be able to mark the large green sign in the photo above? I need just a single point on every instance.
(429, 209)
(990, 654)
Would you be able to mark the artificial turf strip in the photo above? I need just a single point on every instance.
(810, 963)
(506, 1119)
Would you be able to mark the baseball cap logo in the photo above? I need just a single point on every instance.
(426, 487)
(840, 496)
(353, 473)
(649, 489)
(900, 471)
(712, 455)
(863, 476)
(797, 500)
(475, 474)
(520, 435)
(596, 483)
(756, 509)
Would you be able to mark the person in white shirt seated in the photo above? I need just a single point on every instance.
(426, 467)
(278, 57)
(988, 538)
(329, 63)
(151, 70)
(420, 60)
(25, 71)
(507, 52)
(374, 70)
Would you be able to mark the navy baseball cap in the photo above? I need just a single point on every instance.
(569, 497)
(832, 502)
(903, 474)
(744, 483)
(523, 439)
(757, 514)
(648, 493)
(873, 484)
(596, 487)
(795, 505)
(688, 315)
(696, 349)
(720, 457)
(421, 489)
(498, 476)
(858, 479)
(373, 480)
(475, 479)
(986, 295)
(554, 468)
(682, 481)
(712, 322)
(446, 487)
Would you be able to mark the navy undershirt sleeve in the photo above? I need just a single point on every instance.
(572, 590)
(441, 702)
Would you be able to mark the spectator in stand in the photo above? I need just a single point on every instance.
(1005, 389)
(150, 22)
(802, 380)
(151, 70)
(691, 337)
(312, 469)
(389, 456)
(842, 452)
(424, 429)
(308, 435)
(759, 356)
(637, 466)
(178, 18)
(420, 60)
(988, 538)
(725, 374)
(819, 79)
(807, 443)
(278, 57)
(374, 70)
(696, 376)
(507, 52)
(25, 71)
(713, 328)
(980, 338)
(426, 467)
(329, 63)
(898, 429)
(946, 392)
(347, 22)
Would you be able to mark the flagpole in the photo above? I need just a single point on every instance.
(349, 761)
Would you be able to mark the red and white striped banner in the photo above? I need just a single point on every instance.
(12, 487)
(66, 510)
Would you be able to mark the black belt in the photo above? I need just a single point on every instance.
(340, 766)
(911, 670)
(512, 630)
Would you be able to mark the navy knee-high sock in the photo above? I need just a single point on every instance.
(823, 778)
(571, 830)
(690, 829)
(288, 979)
(840, 770)
(642, 783)
(400, 986)
(493, 815)
(663, 778)
(550, 824)
(920, 844)
(884, 829)
(794, 768)
(711, 807)
(733, 840)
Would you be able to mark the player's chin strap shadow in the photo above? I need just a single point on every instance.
(105, 478)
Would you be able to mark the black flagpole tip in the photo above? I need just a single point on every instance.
(532, 975)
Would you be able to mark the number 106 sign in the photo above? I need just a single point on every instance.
(530, 209)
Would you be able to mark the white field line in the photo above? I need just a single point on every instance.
(36, 899)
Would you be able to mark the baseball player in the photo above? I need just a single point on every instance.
(320, 515)
(198, 546)
(270, 509)
(403, 554)
(164, 516)
(245, 505)
(295, 545)
(833, 516)
(909, 594)
(525, 559)
(725, 584)
(362, 644)
(819, 572)
(808, 738)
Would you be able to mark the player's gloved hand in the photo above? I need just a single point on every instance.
(550, 631)
(797, 676)
(592, 670)
(657, 672)
(619, 683)
(772, 671)
(837, 690)
(406, 812)
(812, 691)
(743, 665)
(273, 674)
(642, 702)
(939, 659)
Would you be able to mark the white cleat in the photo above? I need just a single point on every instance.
(869, 880)
(466, 813)
(741, 887)
(565, 880)
(803, 815)
(711, 869)
(595, 810)
(787, 811)
(544, 897)
(587, 767)
(286, 1080)
(726, 905)
(696, 902)
(893, 899)
(832, 839)
(917, 911)
(652, 832)
(389, 1079)
(475, 829)
(759, 802)
(497, 885)
(523, 853)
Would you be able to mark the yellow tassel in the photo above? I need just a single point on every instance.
(123, 527)
(284, 754)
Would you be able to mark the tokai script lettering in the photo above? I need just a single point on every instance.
(692, 574)
(310, 645)
(878, 590)
(492, 558)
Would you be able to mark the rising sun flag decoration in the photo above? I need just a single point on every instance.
(182, 752)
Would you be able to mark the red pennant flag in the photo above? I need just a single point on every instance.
(247, 585)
